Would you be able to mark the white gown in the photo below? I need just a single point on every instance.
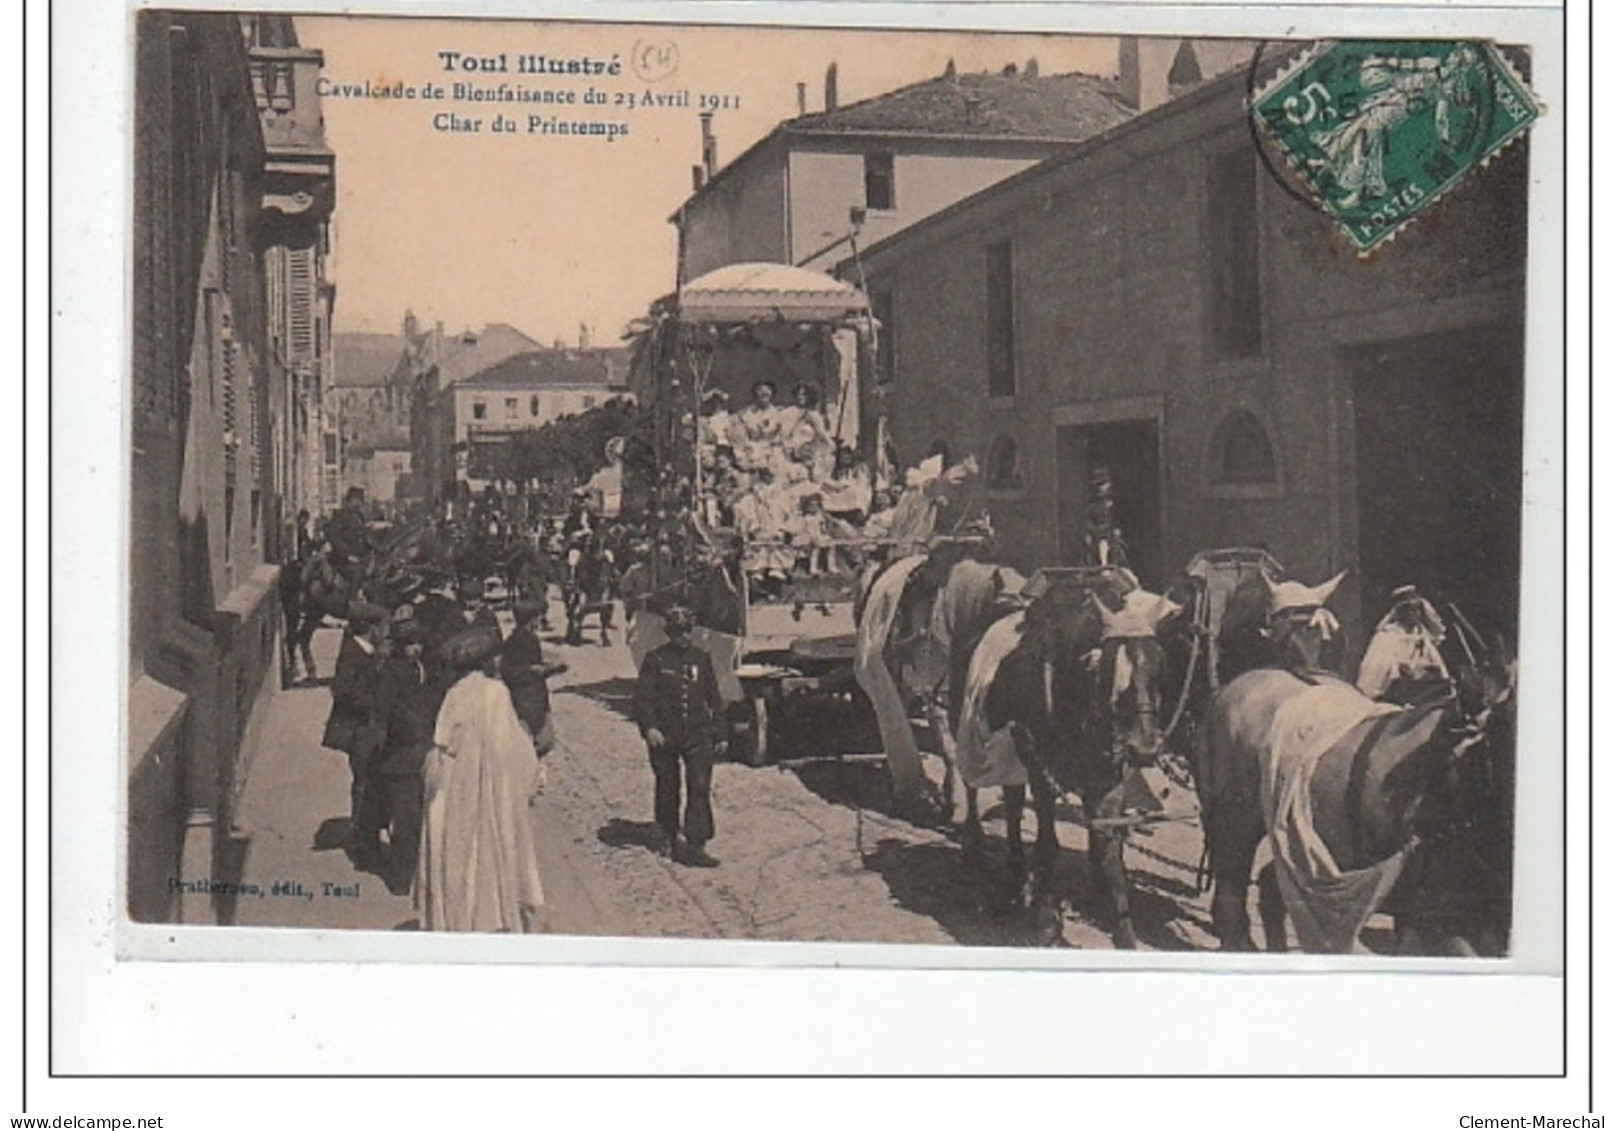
(478, 867)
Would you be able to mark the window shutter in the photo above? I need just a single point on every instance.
(300, 307)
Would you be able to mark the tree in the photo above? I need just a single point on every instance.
(571, 448)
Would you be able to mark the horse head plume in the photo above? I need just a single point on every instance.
(1140, 615)
(1286, 595)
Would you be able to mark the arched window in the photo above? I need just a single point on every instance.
(1243, 454)
(1003, 465)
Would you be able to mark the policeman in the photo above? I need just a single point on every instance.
(680, 713)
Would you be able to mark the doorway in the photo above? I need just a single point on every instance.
(1130, 451)
(1438, 424)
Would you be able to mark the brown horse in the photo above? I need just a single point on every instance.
(1073, 677)
(1386, 786)
(1080, 693)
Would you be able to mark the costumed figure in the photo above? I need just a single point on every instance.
(1403, 661)
(478, 867)
(756, 433)
(805, 435)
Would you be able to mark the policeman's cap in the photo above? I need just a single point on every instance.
(679, 618)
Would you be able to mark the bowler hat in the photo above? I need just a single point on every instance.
(472, 647)
(408, 632)
(365, 613)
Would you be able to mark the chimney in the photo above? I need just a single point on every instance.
(801, 99)
(830, 102)
(1010, 69)
(1143, 65)
(709, 145)
(1127, 69)
(951, 71)
(698, 177)
(1030, 70)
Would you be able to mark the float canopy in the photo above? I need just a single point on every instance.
(755, 292)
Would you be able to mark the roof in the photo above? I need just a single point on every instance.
(364, 360)
(546, 368)
(993, 109)
(1206, 92)
(464, 355)
(749, 291)
(1069, 107)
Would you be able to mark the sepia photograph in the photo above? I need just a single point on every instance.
(974, 489)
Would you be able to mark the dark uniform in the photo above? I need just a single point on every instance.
(349, 536)
(406, 716)
(350, 726)
(677, 694)
(522, 667)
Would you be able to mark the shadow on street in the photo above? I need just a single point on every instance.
(619, 832)
(616, 693)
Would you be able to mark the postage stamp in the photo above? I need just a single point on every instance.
(1378, 131)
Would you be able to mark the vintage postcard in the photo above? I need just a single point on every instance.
(1010, 496)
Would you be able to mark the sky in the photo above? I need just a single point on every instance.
(551, 232)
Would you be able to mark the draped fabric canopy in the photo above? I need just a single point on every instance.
(751, 292)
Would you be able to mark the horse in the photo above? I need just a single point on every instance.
(1078, 686)
(959, 638)
(589, 587)
(908, 610)
(1344, 789)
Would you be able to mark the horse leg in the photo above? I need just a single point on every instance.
(1231, 848)
(1270, 903)
(1014, 798)
(1105, 857)
(605, 625)
(1046, 852)
(970, 834)
(1107, 847)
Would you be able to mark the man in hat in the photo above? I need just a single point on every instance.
(349, 536)
(580, 519)
(522, 667)
(477, 612)
(353, 697)
(405, 713)
(680, 713)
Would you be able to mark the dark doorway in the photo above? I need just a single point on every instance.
(1439, 436)
(1130, 450)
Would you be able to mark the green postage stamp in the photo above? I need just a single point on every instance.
(1379, 130)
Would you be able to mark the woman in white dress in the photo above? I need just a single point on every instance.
(478, 867)
(807, 435)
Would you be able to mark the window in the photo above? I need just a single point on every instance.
(883, 307)
(510, 408)
(1000, 320)
(1243, 454)
(479, 410)
(1234, 265)
(1003, 465)
(533, 406)
(880, 183)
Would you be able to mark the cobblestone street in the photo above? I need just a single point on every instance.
(809, 849)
